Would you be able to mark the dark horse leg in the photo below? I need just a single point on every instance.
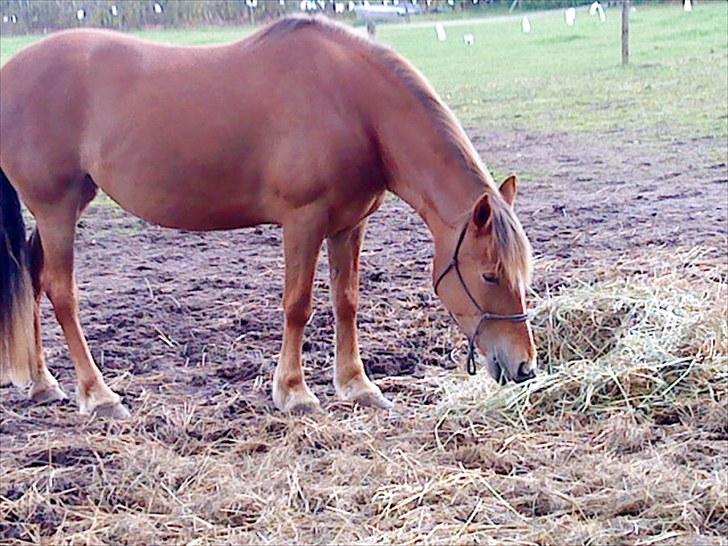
(350, 379)
(56, 228)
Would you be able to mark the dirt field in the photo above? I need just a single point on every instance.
(187, 326)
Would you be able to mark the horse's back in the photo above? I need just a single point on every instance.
(261, 125)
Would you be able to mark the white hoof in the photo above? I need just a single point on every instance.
(362, 391)
(102, 402)
(45, 394)
(298, 400)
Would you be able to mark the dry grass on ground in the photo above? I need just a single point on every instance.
(623, 441)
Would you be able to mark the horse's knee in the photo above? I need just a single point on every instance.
(346, 311)
(298, 311)
(346, 301)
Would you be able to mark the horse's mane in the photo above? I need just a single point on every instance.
(511, 245)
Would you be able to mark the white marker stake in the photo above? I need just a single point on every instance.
(114, 11)
(526, 24)
(597, 9)
(468, 39)
(339, 7)
(688, 5)
(570, 16)
(6, 18)
(80, 14)
(157, 8)
(440, 31)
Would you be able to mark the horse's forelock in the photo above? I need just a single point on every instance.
(511, 246)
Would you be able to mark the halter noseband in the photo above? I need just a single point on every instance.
(484, 315)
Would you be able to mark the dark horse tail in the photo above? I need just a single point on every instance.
(17, 329)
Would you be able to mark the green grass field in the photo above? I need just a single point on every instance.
(571, 78)
(557, 77)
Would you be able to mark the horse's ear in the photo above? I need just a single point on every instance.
(481, 211)
(509, 189)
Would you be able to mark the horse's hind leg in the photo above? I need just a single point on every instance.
(56, 226)
(350, 379)
(45, 387)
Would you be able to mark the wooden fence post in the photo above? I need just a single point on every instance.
(625, 31)
(371, 29)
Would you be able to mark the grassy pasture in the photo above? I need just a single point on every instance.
(558, 77)
(570, 78)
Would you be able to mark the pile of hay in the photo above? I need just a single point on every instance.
(655, 347)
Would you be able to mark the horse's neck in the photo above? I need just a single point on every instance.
(425, 172)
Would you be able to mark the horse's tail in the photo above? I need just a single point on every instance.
(17, 329)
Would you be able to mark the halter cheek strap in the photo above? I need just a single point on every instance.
(484, 315)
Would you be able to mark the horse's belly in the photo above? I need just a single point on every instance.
(199, 205)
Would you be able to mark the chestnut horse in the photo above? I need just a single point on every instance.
(305, 125)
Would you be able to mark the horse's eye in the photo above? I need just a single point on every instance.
(490, 279)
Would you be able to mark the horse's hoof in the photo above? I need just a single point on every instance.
(298, 399)
(361, 390)
(299, 402)
(374, 400)
(302, 403)
(52, 393)
(303, 407)
(114, 411)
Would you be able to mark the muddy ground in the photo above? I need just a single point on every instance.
(188, 320)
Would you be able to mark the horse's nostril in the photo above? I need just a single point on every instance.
(524, 373)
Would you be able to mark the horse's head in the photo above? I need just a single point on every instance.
(482, 283)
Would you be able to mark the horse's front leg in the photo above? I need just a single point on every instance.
(350, 379)
(302, 244)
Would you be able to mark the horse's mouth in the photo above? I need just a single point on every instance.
(501, 374)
